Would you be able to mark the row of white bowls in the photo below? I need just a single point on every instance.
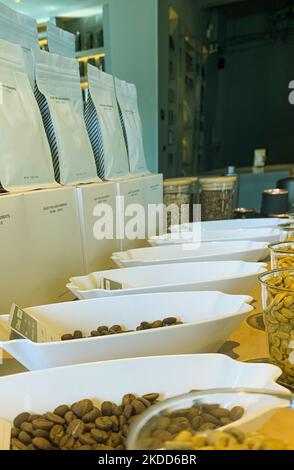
(170, 365)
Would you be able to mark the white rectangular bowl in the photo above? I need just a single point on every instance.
(212, 251)
(43, 390)
(230, 277)
(263, 222)
(267, 235)
(209, 318)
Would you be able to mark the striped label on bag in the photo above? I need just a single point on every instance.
(49, 129)
(95, 135)
(123, 126)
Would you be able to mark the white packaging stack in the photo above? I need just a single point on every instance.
(60, 100)
(131, 203)
(153, 189)
(55, 243)
(104, 127)
(127, 98)
(25, 159)
(97, 211)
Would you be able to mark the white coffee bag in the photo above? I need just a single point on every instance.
(22, 30)
(126, 94)
(25, 160)
(104, 128)
(60, 41)
(61, 106)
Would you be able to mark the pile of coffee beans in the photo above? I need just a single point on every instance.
(81, 426)
(168, 425)
(117, 329)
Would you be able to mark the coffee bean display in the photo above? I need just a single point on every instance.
(118, 329)
(81, 426)
(191, 421)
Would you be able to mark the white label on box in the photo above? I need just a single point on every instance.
(29, 327)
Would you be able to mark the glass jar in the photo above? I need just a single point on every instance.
(194, 421)
(179, 191)
(282, 255)
(278, 311)
(217, 197)
(286, 232)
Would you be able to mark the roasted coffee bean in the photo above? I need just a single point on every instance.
(41, 443)
(128, 410)
(207, 427)
(33, 417)
(116, 410)
(54, 418)
(41, 433)
(122, 421)
(91, 416)
(67, 442)
(56, 433)
(95, 333)
(225, 421)
(197, 421)
(206, 408)
(84, 447)
(181, 412)
(116, 328)
(77, 334)
(102, 328)
(145, 402)
(208, 418)
(236, 413)
(31, 447)
(14, 432)
(182, 422)
(42, 423)
(173, 429)
(138, 407)
(151, 397)
(104, 423)
(89, 426)
(102, 447)
(115, 423)
(169, 321)
(162, 435)
(69, 417)
(75, 428)
(16, 444)
(162, 422)
(26, 427)
(61, 410)
(99, 435)
(66, 337)
(128, 399)
(82, 407)
(114, 440)
(87, 439)
(219, 412)
(21, 418)
(106, 408)
(77, 445)
(125, 430)
(156, 324)
(25, 438)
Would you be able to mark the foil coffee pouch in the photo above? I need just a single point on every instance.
(104, 127)
(126, 94)
(59, 97)
(25, 160)
(22, 30)
(60, 41)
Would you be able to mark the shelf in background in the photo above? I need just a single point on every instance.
(90, 54)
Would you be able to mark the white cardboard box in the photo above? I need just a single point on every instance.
(153, 188)
(130, 191)
(96, 252)
(15, 253)
(55, 241)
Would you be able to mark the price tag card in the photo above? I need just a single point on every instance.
(26, 326)
(5, 433)
(109, 284)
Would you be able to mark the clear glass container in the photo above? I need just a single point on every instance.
(217, 197)
(282, 255)
(278, 311)
(179, 191)
(286, 232)
(194, 421)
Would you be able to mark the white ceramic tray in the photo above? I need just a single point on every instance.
(267, 235)
(213, 251)
(230, 277)
(263, 222)
(209, 318)
(43, 390)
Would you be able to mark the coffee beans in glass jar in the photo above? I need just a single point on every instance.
(217, 197)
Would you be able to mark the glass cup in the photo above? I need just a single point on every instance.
(216, 419)
(286, 232)
(282, 255)
(278, 310)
